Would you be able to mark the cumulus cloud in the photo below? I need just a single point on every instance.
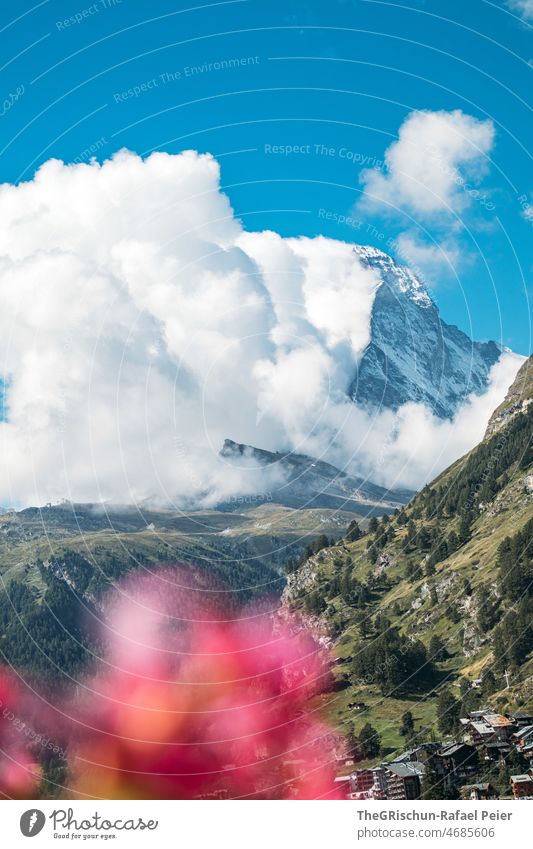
(141, 326)
(525, 7)
(410, 447)
(434, 167)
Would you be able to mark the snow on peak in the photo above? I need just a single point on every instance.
(399, 276)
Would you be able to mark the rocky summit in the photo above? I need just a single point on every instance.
(413, 354)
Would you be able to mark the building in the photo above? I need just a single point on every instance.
(459, 759)
(422, 752)
(404, 780)
(368, 784)
(480, 721)
(523, 737)
(521, 719)
(379, 787)
(478, 791)
(479, 732)
(494, 751)
(522, 785)
(478, 714)
(501, 725)
(361, 781)
(527, 752)
(489, 736)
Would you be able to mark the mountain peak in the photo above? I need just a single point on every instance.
(394, 275)
(413, 354)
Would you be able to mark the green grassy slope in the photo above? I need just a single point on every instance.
(434, 570)
(57, 562)
(266, 534)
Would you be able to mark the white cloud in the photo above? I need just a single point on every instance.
(410, 447)
(140, 327)
(434, 167)
(525, 7)
(316, 285)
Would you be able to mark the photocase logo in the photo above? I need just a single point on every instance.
(32, 822)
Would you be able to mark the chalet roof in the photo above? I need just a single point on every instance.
(527, 731)
(400, 769)
(452, 748)
(405, 757)
(481, 727)
(429, 746)
(407, 769)
(497, 720)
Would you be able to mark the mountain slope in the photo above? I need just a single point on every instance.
(309, 483)
(223, 540)
(516, 401)
(57, 563)
(439, 595)
(413, 354)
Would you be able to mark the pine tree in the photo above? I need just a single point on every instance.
(353, 532)
(516, 564)
(488, 684)
(465, 527)
(411, 534)
(372, 554)
(447, 712)
(345, 584)
(430, 567)
(369, 741)
(373, 525)
(437, 649)
(351, 739)
(407, 727)
(424, 539)
(452, 542)
(486, 610)
(364, 625)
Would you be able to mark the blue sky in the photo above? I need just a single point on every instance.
(299, 99)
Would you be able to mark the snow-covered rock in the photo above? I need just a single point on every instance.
(413, 354)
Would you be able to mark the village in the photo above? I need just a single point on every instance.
(454, 768)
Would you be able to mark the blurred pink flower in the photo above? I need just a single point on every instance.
(19, 774)
(192, 703)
